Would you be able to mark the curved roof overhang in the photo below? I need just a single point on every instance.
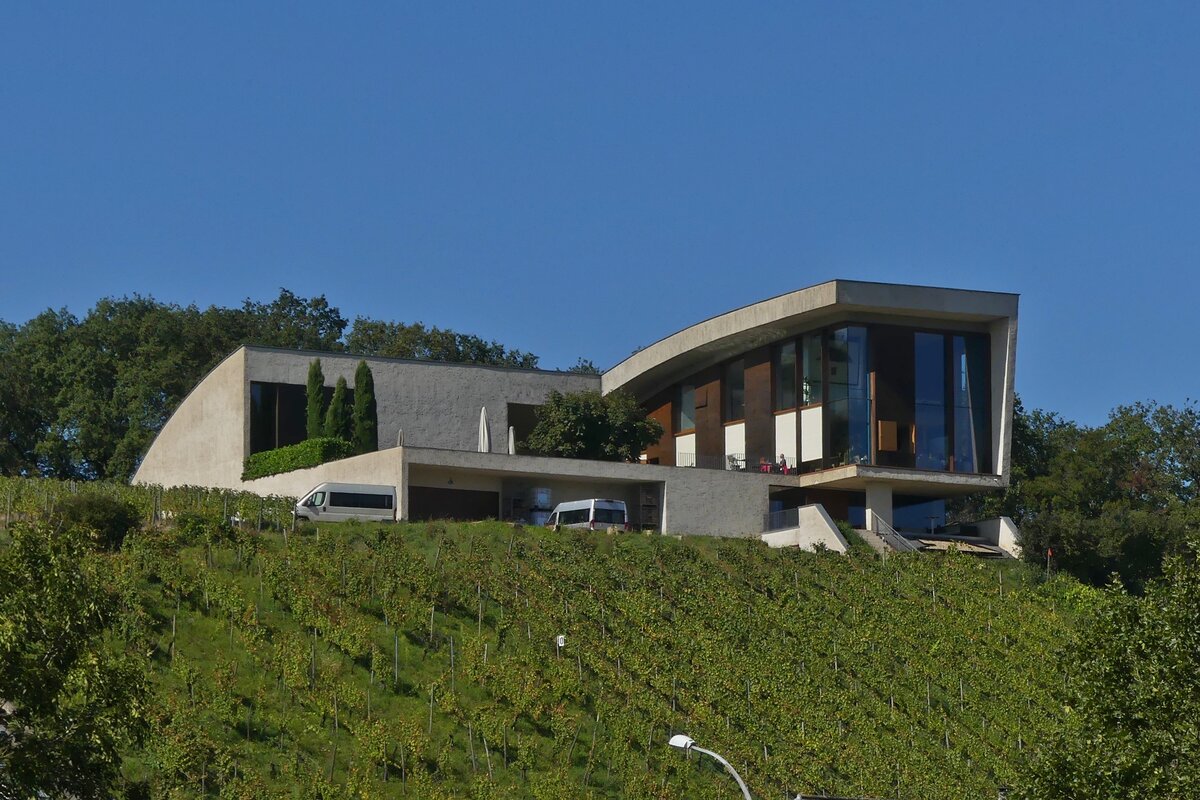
(714, 340)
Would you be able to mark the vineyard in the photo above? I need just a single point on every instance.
(424, 660)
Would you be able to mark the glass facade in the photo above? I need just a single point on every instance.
(849, 404)
(874, 394)
(929, 378)
(972, 433)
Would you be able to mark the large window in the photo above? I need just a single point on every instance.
(276, 415)
(810, 369)
(785, 376)
(685, 408)
(359, 500)
(734, 384)
(849, 406)
(929, 368)
(972, 437)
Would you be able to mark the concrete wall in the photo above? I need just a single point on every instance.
(815, 529)
(1003, 378)
(693, 501)
(383, 467)
(206, 440)
(1003, 533)
(435, 404)
(203, 443)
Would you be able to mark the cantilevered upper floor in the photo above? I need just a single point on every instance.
(908, 383)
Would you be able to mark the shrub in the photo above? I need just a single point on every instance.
(109, 519)
(309, 453)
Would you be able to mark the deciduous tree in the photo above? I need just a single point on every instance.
(399, 340)
(69, 702)
(587, 424)
(1132, 698)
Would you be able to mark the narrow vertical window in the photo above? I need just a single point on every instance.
(972, 428)
(685, 408)
(785, 376)
(849, 405)
(929, 367)
(734, 384)
(810, 381)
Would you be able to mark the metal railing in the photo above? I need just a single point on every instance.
(730, 461)
(734, 462)
(779, 520)
(892, 537)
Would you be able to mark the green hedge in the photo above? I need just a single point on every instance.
(308, 453)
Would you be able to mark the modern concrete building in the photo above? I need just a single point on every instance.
(875, 401)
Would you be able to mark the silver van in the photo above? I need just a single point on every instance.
(594, 514)
(335, 502)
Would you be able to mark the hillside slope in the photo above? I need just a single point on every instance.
(420, 661)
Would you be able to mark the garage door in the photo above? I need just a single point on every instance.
(427, 502)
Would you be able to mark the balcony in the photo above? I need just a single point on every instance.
(731, 462)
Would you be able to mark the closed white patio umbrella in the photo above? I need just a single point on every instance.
(485, 436)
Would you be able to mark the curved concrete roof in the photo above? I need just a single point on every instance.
(713, 340)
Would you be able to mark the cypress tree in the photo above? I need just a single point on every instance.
(366, 423)
(315, 395)
(337, 418)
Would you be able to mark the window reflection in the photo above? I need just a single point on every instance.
(735, 390)
(785, 376)
(972, 438)
(930, 380)
(686, 408)
(849, 406)
(811, 369)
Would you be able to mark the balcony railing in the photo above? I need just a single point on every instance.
(779, 520)
(735, 462)
(730, 461)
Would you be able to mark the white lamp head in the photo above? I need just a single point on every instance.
(681, 741)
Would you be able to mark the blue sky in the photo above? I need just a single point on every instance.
(582, 179)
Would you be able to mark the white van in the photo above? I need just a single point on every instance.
(334, 502)
(594, 514)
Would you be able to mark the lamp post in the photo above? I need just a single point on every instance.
(685, 743)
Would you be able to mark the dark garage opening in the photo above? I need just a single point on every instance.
(428, 502)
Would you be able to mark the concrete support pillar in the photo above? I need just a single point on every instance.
(879, 504)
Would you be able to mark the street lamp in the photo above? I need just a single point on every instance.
(685, 743)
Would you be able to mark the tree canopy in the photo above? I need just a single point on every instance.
(85, 397)
(1111, 499)
(68, 701)
(1131, 698)
(371, 337)
(587, 424)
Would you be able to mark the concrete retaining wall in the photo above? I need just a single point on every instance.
(1001, 532)
(815, 529)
